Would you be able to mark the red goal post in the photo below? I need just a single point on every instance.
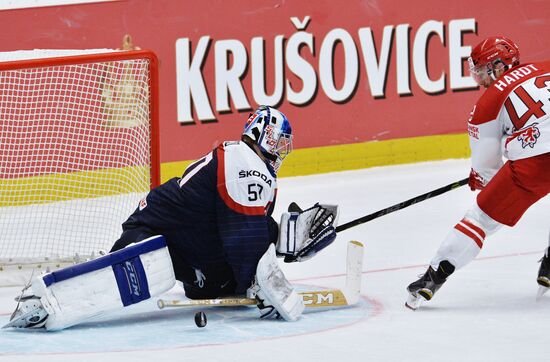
(79, 147)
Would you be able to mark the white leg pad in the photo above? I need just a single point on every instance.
(276, 289)
(128, 276)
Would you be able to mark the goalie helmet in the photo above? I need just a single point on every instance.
(492, 52)
(271, 131)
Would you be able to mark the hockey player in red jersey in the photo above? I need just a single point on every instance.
(511, 119)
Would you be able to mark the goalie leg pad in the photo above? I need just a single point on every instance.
(128, 276)
(274, 291)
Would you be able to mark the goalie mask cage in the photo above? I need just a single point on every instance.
(78, 150)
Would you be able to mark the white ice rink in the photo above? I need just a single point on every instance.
(485, 312)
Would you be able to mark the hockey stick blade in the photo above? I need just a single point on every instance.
(330, 298)
(402, 205)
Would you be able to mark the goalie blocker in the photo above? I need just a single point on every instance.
(76, 294)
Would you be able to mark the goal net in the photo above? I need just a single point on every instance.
(78, 150)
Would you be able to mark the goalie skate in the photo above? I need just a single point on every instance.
(29, 313)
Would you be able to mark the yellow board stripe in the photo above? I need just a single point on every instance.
(74, 185)
(307, 161)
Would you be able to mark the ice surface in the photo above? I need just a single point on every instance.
(485, 312)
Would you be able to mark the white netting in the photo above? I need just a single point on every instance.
(75, 156)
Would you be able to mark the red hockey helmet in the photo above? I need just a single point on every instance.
(490, 53)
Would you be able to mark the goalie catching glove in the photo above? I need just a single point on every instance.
(302, 234)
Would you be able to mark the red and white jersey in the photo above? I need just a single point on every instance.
(511, 119)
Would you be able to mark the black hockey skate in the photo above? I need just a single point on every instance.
(543, 278)
(425, 287)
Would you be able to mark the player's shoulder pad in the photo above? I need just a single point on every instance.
(487, 107)
(544, 66)
(490, 103)
(245, 183)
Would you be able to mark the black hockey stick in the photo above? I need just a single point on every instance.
(402, 205)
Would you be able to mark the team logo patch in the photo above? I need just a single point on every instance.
(142, 203)
(251, 119)
(473, 131)
(255, 173)
(529, 136)
(133, 279)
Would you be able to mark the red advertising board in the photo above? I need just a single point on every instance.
(343, 72)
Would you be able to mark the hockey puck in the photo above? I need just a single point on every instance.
(200, 319)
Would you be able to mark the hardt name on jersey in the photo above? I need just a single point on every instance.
(512, 117)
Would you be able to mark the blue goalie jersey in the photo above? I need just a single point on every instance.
(216, 220)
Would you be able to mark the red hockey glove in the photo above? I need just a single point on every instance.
(475, 181)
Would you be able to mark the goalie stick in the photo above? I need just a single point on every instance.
(402, 205)
(347, 296)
